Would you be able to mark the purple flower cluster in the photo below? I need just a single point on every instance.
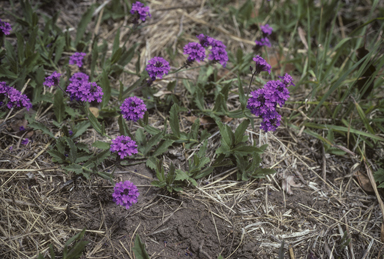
(77, 59)
(261, 65)
(263, 102)
(140, 10)
(266, 31)
(125, 194)
(13, 97)
(52, 80)
(5, 28)
(195, 51)
(25, 141)
(124, 146)
(218, 52)
(133, 109)
(157, 67)
(82, 90)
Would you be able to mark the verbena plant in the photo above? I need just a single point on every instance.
(38, 51)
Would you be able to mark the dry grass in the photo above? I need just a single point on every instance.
(36, 208)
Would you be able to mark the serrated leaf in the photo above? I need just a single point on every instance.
(101, 145)
(105, 175)
(39, 126)
(60, 43)
(96, 160)
(139, 249)
(153, 141)
(72, 150)
(57, 156)
(74, 168)
(80, 128)
(151, 162)
(82, 26)
(163, 147)
(174, 120)
(59, 106)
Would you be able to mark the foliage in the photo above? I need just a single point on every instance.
(73, 248)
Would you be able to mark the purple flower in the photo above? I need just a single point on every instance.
(125, 194)
(263, 42)
(133, 108)
(10, 148)
(219, 55)
(266, 30)
(70, 132)
(217, 44)
(14, 97)
(124, 146)
(205, 41)
(21, 128)
(278, 92)
(263, 102)
(5, 27)
(25, 141)
(261, 65)
(287, 80)
(157, 67)
(139, 9)
(271, 121)
(52, 79)
(79, 77)
(195, 51)
(82, 90)
(77, 59)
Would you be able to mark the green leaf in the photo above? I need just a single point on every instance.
(117, 55)
(101, 145)
(199, 99)
(85, 20)
(95, 55)
(72, 150)
(105, 175)
(174, 120)
(77, 250)
(60, 43)
(116, 42)
(59, 106)
(138, 65)
(164, 146)
(74, 168)
(363, 118)
(80, 128)
(57, 156)
(239, 133)
(94, 122)
(51, 252)
(139, 249)
(96, 160)
(39, 126)
(123, 128)
(151, 162)
(153, 141)
(104, 83)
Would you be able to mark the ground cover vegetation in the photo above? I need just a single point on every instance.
(145, 130)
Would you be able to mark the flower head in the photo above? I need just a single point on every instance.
(125, 194)
(261, 65)
(219, 55)
(5, 28)
(124, 146)
(217, 44)
(271, 120)
(278, 92)
(133, 108)
(14, 97)
(195, 51)
(77, 59)
(52, 79)
(142, 11)
(21, 128)
(263, 42)
(25, 141)
(157, 67)
(82, 90)
(205, 41)
(266, 30)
